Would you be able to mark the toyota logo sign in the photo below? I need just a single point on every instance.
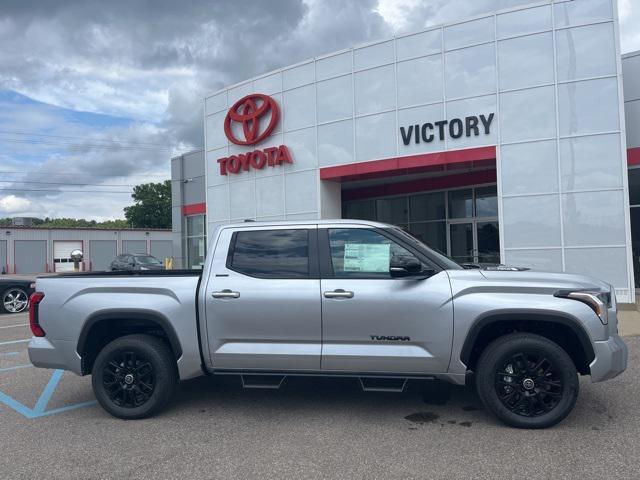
(248, 111)
(253, 112)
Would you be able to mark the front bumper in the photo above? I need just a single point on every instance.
(45, 353)
(610, 360)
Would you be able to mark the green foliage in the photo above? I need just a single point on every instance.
(152, 207)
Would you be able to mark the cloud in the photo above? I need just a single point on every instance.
(143, 68)
(13, 204)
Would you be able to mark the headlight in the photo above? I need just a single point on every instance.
(144, 268)
(599, 302)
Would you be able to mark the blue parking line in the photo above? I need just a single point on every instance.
(15, 367)
(39, 410)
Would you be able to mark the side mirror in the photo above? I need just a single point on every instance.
(405, 267)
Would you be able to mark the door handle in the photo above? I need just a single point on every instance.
(338, 293)
(226, 293)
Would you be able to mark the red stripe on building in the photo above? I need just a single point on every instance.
(470, 157)
(633, 156)
(421, 185)
(194, 209)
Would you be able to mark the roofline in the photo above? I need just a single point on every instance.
(19, 227)
(284, 223)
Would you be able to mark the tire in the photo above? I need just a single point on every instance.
(14, 300)
(527, 381)
(134, 376)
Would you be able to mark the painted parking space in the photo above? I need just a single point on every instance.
(31, 392)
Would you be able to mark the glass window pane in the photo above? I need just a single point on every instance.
(470, 71)
(429, 206)
(195, 225)
(468, 33)
(195, 252)
(537, 70)
(635, 243)
(362, 253)
(634, 187)
(432, 234)
(487, 202)
(461, 237)
(419, 44)
(460, 203)
(488, 242)
(272, 253)
(579, 113)
(365, 210)
(585, 11)
(586, 52)
(392, 210)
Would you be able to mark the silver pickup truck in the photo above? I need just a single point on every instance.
(335, 298)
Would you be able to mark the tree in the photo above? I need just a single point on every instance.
(152, 208)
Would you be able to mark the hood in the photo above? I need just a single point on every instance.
(516, 280)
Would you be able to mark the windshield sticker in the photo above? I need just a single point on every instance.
(366, 257)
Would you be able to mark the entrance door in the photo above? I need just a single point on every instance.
(475, 241)
(462, 242)
(372, 322)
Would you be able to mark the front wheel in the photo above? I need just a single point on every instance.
(527, 381)
(134, 376)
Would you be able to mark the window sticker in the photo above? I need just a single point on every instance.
(366, 257)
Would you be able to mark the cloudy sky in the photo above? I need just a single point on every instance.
(96, 96)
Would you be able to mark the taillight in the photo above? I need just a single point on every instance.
(34, 300)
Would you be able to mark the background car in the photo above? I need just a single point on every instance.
(136, 261)
(14, 294)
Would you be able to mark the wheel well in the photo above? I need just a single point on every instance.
(566, 336)
(100, 331)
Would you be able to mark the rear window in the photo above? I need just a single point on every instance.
(270, 253)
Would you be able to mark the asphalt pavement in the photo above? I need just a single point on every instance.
(50, 427)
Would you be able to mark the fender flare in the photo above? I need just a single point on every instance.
(133, 316)
(548, 317)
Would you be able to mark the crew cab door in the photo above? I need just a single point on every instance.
(372, 322)
(263, 299)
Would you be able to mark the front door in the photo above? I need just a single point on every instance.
(263, 300)
(372, 322)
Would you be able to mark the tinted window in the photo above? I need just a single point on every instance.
(362, 253)
(147, 260)
(271, 253)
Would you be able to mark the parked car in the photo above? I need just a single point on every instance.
(136, 261)
(334, 298)
(15, 294)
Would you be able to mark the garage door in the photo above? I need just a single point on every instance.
(4, 267)
(31, 256)
(134, 246)
(161, 249)
(101, 254)
(62, 254)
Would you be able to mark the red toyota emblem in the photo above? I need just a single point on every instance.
(248, 111)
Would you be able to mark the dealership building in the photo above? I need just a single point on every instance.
(501, 138)
(25, 250)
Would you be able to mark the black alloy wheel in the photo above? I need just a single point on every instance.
(527, 381)
(134, 376)
(529, 384)
(128, 379)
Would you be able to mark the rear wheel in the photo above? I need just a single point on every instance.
(527, 381)
(134, 376)
(14, 300)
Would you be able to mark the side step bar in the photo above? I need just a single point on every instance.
(380, 384)
(262, 381)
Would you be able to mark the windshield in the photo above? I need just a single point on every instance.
(147, 260)
(447, 262)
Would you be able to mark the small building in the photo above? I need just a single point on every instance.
(28, 250)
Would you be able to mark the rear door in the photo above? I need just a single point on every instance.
(263, 299)
(372, 322)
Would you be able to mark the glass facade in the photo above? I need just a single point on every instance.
(195, 241)
(462, 223)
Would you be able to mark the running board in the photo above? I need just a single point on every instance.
(262, 381)
(381, 384)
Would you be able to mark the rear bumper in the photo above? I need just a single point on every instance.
(610, 360)
(45, 353)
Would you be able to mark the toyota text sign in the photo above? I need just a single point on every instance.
(254, 118)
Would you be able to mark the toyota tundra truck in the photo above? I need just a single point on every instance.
(331, 298)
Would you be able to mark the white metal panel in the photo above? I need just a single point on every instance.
(62, 254)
